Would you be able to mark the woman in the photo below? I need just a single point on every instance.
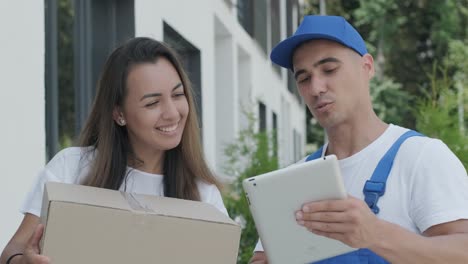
(142, 136)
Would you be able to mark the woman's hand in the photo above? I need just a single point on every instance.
(32, 250)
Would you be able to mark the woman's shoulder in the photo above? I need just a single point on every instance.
(72, 151)
(71, 157)
(204, 186)
(209, 193)
(207, 190)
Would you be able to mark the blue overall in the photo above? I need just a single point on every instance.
(373, 189)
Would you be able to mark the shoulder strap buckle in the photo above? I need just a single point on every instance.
(372, 192)
(371, 200)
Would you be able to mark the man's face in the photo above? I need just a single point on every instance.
(333, 81)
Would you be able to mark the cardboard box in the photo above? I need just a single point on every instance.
(94, 225)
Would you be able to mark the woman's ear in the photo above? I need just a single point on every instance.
(118, 117)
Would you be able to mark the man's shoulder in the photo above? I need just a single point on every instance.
(396, 132)
(425, 151)
(301, 160)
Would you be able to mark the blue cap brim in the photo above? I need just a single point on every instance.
(282, 53)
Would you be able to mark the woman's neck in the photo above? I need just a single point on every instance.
(148, 161)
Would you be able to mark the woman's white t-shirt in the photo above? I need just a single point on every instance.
(72, 165)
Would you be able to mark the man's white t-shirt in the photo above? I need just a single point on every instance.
(428, 185)
(72, 165)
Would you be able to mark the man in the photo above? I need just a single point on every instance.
(422, 213)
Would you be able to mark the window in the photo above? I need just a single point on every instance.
(275, 28)
(292, 20)
(262, 117)
(260, 23)
(79, 37)
(290, 4)
(245, 15)
(275, 133)
(252, 15)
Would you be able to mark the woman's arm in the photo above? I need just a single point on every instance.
(26, 241)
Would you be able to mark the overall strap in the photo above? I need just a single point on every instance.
(375, 187)
(317, 154)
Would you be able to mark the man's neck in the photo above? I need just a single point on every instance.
(350, 138)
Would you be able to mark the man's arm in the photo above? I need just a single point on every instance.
(353, 223)
(443, 243)
(259, 257)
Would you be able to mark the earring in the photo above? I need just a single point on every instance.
(121, 121)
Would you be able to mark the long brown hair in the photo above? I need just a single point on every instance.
(182, 166)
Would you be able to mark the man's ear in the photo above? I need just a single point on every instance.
(368, 64)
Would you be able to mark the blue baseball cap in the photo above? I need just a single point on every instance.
(334, 28)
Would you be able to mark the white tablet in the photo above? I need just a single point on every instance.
(274, 198)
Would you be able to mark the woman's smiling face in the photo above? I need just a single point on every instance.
(155, 108)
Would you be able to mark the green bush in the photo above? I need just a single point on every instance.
(437, 115)
(252, 154)
(390, 102)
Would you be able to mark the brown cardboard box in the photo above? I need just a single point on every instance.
(94, 225)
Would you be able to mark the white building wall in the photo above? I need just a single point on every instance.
(225, 91)
(22, 108)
